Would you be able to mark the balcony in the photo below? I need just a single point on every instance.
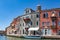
(12, 26)
(27, 20)
(53, 26)
(53, 17)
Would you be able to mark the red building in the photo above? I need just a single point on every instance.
(50, 21)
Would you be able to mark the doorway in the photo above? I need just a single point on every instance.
(46, 32)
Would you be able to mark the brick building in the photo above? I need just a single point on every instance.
(50, 21)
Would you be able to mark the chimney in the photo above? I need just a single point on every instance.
(38, 8)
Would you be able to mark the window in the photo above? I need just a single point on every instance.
(45, 31)
(20, 24)
(37, 23)
(31, 16)
(53, 23)
(42, 23)
(15, 32)
(47, 23)
(12, 31)
(13, 27)
(45, 15)
(59, 14)
(31, 23)
(23, 31)
(59, 23)
(58, 32)
(23, 24)
(37, 16)
(27, 11)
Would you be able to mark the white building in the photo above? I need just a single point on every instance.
(27, 24)
(29, 20)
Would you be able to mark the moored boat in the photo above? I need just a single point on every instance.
(32, 37)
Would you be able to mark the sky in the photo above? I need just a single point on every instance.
(10, 9)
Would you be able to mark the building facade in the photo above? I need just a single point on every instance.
(50, 22)
(39, 22)
(22, 25)
(28, 20)
(13, 29)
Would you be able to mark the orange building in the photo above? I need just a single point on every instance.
(50, 21)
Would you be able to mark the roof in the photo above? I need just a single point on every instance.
(51, 9)
(29, 13)
(29, 9)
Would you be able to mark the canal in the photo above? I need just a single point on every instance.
(14, 38)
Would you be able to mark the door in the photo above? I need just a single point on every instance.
(46, 32)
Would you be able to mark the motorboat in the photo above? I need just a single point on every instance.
(32, 36)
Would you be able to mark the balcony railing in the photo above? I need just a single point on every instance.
(27, 20)
(53, 16)
(53, 26)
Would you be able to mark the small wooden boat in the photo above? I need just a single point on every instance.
(32, 37)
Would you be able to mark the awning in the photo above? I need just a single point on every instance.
(33, 29)
(27, 20)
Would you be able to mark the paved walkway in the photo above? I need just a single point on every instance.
(53, 36)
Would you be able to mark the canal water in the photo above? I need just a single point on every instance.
(14, 38)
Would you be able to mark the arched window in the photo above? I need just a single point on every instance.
(31, 22)
(37, 23)
(37, 15)
(45, 15)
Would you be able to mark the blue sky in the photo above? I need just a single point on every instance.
(9, 9)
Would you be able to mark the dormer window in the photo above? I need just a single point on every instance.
(27, 11)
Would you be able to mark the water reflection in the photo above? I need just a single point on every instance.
(14, 38)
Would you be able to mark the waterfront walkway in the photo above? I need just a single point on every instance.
(53, 36)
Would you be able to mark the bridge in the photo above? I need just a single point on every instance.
(2, 32)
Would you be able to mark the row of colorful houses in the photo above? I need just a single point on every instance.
(39, 22)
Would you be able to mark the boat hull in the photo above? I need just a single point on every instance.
(32, 37)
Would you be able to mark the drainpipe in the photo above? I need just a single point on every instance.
(56, 26)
